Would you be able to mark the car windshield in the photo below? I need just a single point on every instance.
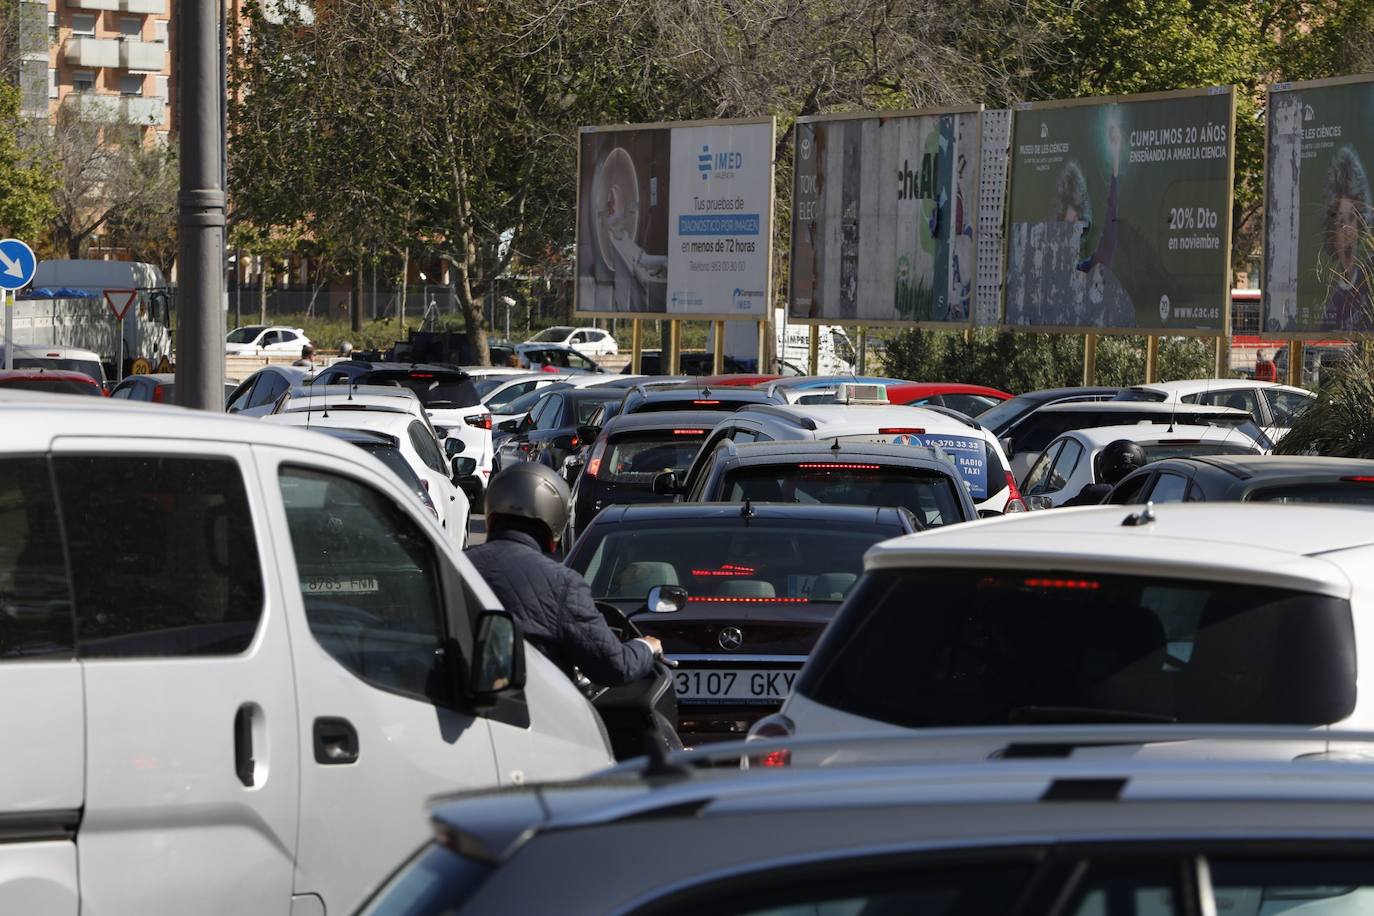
(439, 392)
(587, 406)
(84, 366)
(552, 335)
(391, 456)
(637, 458)
(1351, 492)
(929, 495)
(1161, 450)
(937, 647)
(54, 385)
(1004, 414)
(793, 562)
(245, 335)
(522, 404)
(489, 384)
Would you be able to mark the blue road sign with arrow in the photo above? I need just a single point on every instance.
(17, 264)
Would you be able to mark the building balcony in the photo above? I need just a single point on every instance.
(92, 52)
(147, 7)
(143, 55)
(109, 109)
(93, 4)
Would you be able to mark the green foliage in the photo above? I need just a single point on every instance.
(26, 185)
(1025, 362)
(1340, 422)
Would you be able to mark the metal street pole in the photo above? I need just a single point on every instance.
(200, 337)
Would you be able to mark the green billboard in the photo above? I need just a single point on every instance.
(1120, 213)
(1318, 247)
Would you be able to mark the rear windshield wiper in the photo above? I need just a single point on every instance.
(1068, 715)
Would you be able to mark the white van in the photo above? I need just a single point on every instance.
(235, 661)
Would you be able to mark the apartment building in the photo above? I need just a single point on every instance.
(105, 61)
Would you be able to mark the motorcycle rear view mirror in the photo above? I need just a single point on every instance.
(666, 599)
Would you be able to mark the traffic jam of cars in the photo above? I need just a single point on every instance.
(916, 647)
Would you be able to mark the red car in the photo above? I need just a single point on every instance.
(967, 399)
(59, 381)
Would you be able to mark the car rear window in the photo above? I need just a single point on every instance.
(636, 459)
(1187, 449)
(434, 390)
(931, 648)
(657, 405)
(1354, 493)
(764, 561)
(930, 496)
(85, 367)
(54, 385)
(978, 465)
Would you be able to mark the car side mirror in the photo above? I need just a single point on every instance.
(666, 599)
(463, 467)
(565, 441)
(509, 426)
(454, 447)
(666, 483)
(587, 433)
(1009, 447)
(989, 513)
(440, 431)
(1041, 502)
(498, 659)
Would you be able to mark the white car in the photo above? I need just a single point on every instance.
(591, 341)
(262, 340)
(72, 359)
(417, 444)
(1070, 462)
(975, 453)
(1217, 613)
(500, 391)
(1273, 406)
(234, 655)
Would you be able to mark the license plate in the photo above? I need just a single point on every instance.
(340, 585)
(733, 685)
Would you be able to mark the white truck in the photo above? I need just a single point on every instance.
(792, 346)
(86, 322)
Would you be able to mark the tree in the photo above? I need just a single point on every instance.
(146, 227)
(26, 180)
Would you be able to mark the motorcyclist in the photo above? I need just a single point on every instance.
(1116, 460)
(527, 511)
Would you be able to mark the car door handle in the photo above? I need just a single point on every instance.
(336, 741)
(245, 767)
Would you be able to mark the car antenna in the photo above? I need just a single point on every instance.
(835, 447)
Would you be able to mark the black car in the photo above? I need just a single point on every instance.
(642, 399)
(1003, 419)
(628, 452)
(915, 478)
(548, 433)
(1250, 478)
(692, 363)
(762, 582)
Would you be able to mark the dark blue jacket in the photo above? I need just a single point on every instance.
(553, 606)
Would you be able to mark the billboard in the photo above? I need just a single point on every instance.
(676, 220)
(883, 211)
(1318, 247)
(1120, 213)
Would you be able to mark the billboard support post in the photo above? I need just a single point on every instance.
(1295, 361)
(1151, 359)
(813, 350)
(1223, 356)
(862, 347)
(636, 343)
(669, 366)
(763, 327)
(1089, 360)
(718, 357)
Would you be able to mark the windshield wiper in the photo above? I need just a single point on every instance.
(1068, 715)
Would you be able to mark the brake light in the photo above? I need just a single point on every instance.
(1358, 479)
(1090, 585)
(594, 461)
(479, 420)
(841, 466)
(706, 402)
(1014, 501)
(421, 375)
(689, 432)
(770, 728)
(576, 441)
(901, 431)
(727, 599)
(726, 569)
(1180, 442)
(158, 394)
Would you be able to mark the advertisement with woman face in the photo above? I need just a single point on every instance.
(1319, 251)
(1120, 212)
